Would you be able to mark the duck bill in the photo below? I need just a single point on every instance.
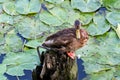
(78, 34)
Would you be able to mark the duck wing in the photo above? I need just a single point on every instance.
(60, 39)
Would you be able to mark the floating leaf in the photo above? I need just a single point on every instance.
(60, 13)
(98, 53)
(2, 39)
(103, 75)
(55, 2)
(86, 5)
(5, 28)
(1, 9)
(112, 4)
(72, 16)
(13, 42)
(17, 62)
(113, 18)
(32, 43)
(15, 70)
(66, 5)
(9, 8)
(2, 71)
(4, 18)
(27, 7)
(50, 19)
(28, 28)
(85, 18)
(100, 25)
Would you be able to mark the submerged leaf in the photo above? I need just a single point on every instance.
(86, 5)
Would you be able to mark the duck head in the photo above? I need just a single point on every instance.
(77, 25)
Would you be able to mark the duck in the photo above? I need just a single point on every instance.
(67, 40)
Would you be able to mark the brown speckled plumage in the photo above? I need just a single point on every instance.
(66, 40)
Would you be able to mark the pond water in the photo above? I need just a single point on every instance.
(28, 73)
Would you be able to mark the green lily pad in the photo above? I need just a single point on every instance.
(72, 16)
(86, 18)
(103, 75)
(86, 5)
(112, 4)
(100, 53)
(113, 18)
(99, 25)
(29, 28)
(32, 43)
(4, 18)
(9, 8)
(27, 7)
(5, 28)
(55, 1)
(16, 65)
(2, 39)
(60, 13)
(2, 71)
(1, 9)
(50, 19)
(13, 42)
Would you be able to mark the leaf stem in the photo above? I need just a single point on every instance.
(17, 78)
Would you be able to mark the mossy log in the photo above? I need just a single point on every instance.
(55, 65)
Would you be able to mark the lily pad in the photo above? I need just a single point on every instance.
(112, 4)
(55, 1)
(1, 9)
(5, 28)
(28, 28)
(13, 42)
(32, 44)
(103, 75)
(16, 65)
(27, 7)
(98, 53)
(85, 18)
(99, 25)
(2, 71)
(2, 39)
(113, 18)
(50, 19)
(86, 5)
(9, 8)
(60, 13)
(4, 18)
